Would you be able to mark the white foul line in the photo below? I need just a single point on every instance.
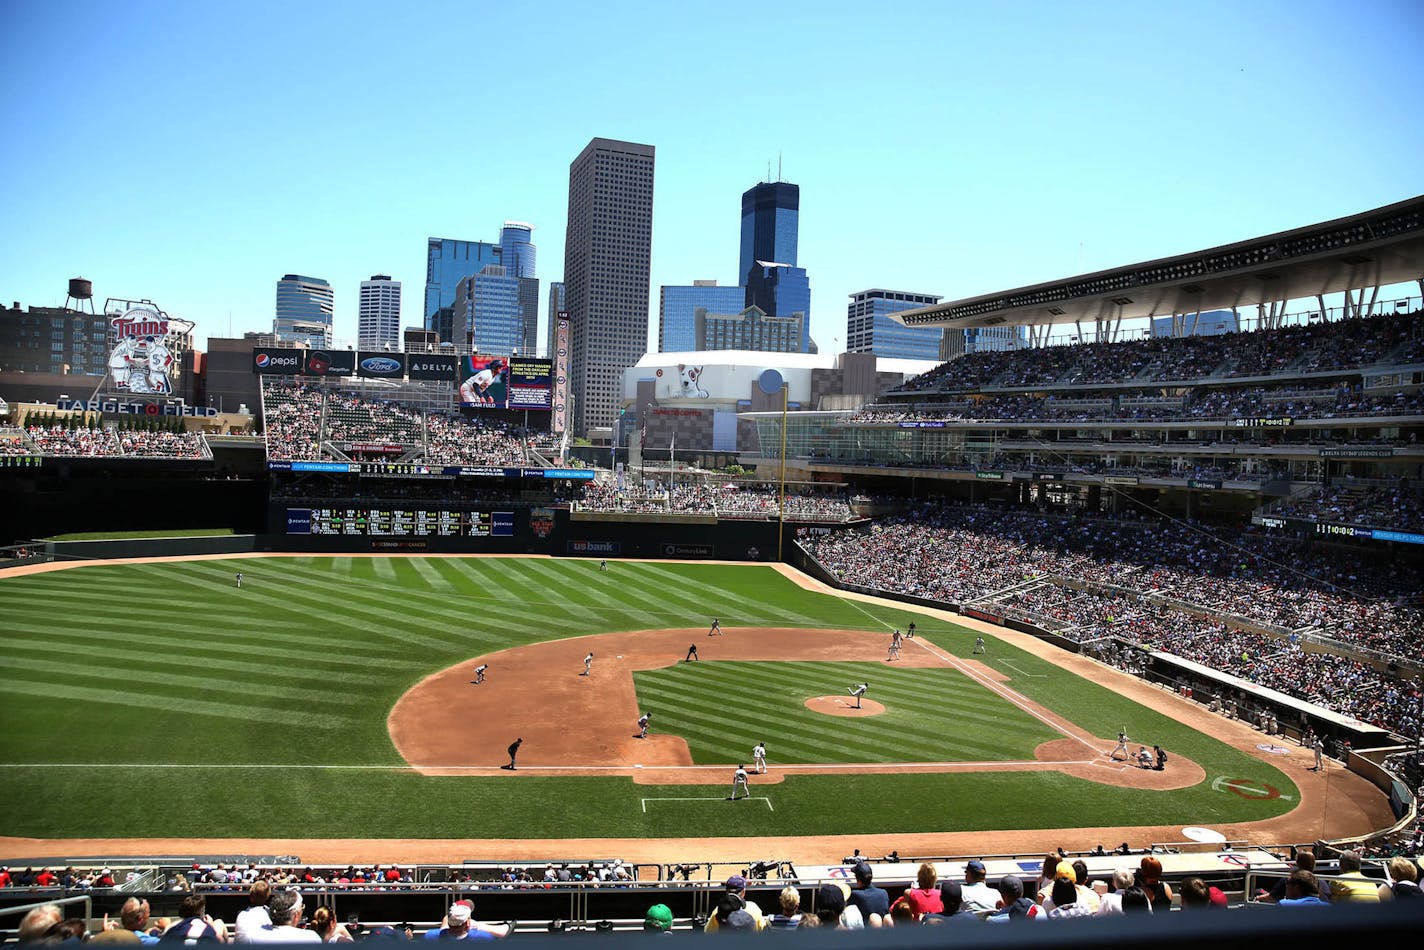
(748, 798)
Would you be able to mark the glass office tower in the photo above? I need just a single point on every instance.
(869, 328)
(771, 213)
(780, 290)
(486, 315)
(304, 310)
(447, 262)
(677, 309)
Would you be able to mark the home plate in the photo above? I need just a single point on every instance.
(1204, 834)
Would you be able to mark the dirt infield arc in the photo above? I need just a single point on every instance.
(522, 684)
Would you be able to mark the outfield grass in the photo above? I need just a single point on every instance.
(156, 533)
(266, 707)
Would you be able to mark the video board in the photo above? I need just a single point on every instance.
(505, 382)
(400, 522)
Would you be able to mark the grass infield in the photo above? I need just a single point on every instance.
(158, 700)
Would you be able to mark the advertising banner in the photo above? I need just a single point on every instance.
(436, 368)
(272, 361)
(330, 363)
(377, 365)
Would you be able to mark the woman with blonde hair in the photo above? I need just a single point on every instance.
(924, 897)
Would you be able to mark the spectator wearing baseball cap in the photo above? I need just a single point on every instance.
(830, 906)
(460, 925)
(979, 897)
(734, 899)
(873, 902)
(658, 919)
(951, 898)
(1013, 906)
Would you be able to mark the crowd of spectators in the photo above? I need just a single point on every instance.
(108, 442)
(1214, 403)
(962, 553)
(724, 500)
(1400, 506)
(1313, 347)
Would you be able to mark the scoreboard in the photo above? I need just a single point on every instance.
(400, 522)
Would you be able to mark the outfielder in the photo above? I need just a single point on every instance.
(739, 780)
(979, 645)
(239, 580)
(759, 758)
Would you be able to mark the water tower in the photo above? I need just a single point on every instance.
(81, 292)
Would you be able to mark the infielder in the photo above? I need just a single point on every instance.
(895, 642)
(979, 645)
(759, 758)
(643, 725)
(587, 663)
(859, 691)
(480, 673)
(1144, 758)
(716, 630)
(239, 580)
(1121, 745)
(739, 780)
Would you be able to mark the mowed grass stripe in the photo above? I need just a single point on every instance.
(704, 601)
(98, 642)
(60, 689)
(205, 683)
(213, 625)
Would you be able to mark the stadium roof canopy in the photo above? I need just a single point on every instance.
(1367, 250)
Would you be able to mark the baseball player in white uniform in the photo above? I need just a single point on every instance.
(979, 645)
(480, 673)
(119, 367)
(739, 781)
(587, 663)
(159, 360)
(759, 758)
(643, 725)
(858, 691)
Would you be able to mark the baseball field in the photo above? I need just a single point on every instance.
(334, 698)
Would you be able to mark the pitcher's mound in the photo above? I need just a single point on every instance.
(843, 706)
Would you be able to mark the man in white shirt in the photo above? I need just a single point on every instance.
(254, 916)
(285, 909)
(978, 896)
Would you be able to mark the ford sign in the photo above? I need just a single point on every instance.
(380, 364)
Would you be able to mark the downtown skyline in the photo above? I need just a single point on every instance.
(969, 152)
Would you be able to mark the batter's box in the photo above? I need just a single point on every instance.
(723, 799)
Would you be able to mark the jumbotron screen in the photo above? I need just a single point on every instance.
(399, 523)
(506, 382)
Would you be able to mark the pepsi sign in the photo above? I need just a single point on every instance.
(380, 365)
(269, 361)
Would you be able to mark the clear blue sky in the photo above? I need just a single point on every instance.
(193, 153)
